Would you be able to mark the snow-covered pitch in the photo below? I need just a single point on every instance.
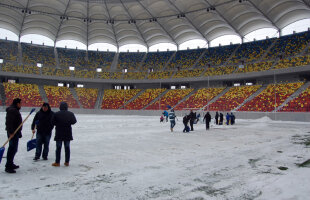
(137, 157)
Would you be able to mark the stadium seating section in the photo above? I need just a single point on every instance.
(28, 93)
(156, 60)
(299, 104)
(115, 99)
(199, 99)
(145, 98)
(55, 95)
(87, 97)
(38, 54)
(8, 50)
(272, 97)
(130, 61)
(232, 98)
(185, 59)
(171, 98)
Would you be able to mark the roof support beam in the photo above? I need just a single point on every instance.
(260, 11)
(306, 3)
(163, 28)
(189, 21)
(113, 28)
(23, 22)
(60, 24)
(146, 44)
(231, 26)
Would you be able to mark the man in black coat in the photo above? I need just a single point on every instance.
(207, 119)
(186, 118)
(63, 120)
(43, 122)
(192, 116)
(221, 119)
(216, 118)
(12, 120)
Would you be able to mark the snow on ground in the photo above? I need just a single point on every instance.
(135, 157)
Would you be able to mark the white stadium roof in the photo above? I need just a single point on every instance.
(147, 22)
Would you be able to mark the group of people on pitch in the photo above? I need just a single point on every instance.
(192, 119)
(42, 124)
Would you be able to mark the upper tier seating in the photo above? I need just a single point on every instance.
(250, 51)
(70, 57)
(145, 98)
(171, 98)
(55, 95)
(188, 73)
(38, 54)
(216, 56)
(130, 61)
(293, 62)
(272, 97)
(289, 45)
(299, 104)
(26, 69)
(28, 93)
(8, 50)
(214, 71)
(233, 98)
(255, 67)
(87, 97)
(134, 75)
(185, 59)
(200, 98)
(156, 60)
(115, 99)
(100, 60)
(160, 75)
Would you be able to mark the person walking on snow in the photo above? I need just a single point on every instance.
(63, 120)
(172, 119)
(207, 119)
(42, 121)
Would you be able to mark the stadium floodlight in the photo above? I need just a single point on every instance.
(39, 64)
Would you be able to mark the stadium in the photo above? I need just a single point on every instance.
(120, 63)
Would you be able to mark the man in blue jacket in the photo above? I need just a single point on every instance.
(63, 120)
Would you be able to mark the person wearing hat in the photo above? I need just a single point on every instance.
(12, 120)
(62, 120)
(43, 123)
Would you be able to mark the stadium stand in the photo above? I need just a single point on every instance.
(293, 62)
(130, 61)
(145, 98)
(38, 54)
(28, 93)
(87, 97)
(255, 67)
(200, 98)
(8, 50)
(114, 99)
(233, 98)
(216, 56)
(70, 57)
(299, 104)
(156, 60)
(214, 71)
(188, 73)
(160, 75)
(56, 94)
(271, 97)
(171, 98)
(26, 69)
(101, 60)
(185, 59)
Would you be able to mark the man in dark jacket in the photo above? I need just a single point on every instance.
(207, 119)
(186, 118)
(63, 120)
(232, 119)
(192, 116)
(221, 119)
(12, 121)
(43, 122)
(216, 118)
